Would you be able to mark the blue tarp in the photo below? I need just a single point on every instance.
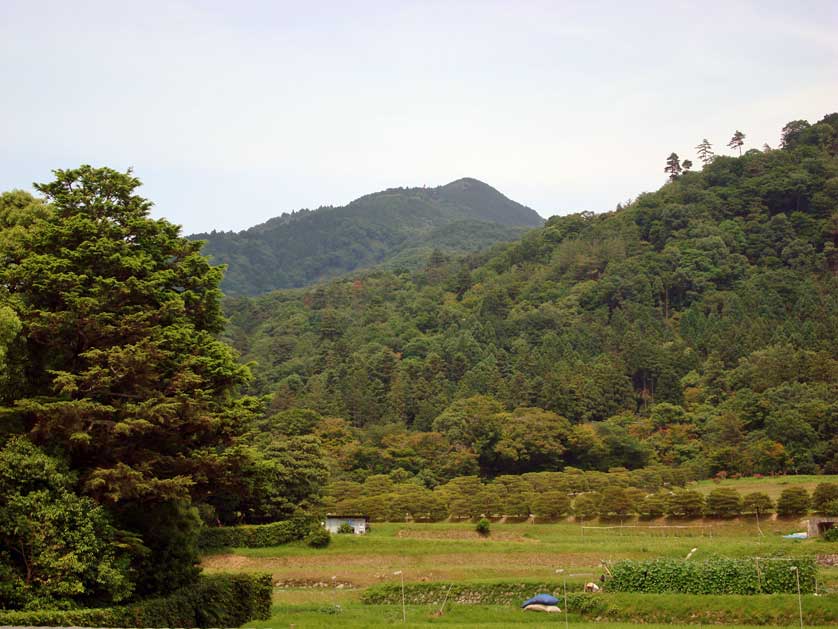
(541, 599)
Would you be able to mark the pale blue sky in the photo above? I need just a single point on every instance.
(233, 112)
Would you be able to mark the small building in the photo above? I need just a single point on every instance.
(359, 523)
(819, 525)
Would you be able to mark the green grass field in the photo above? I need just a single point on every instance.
(322, 587)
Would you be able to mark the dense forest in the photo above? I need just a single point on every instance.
(691, 332)
(697, 326)
(396, 228)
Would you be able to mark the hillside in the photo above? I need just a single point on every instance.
(400, 226)
(697, 327)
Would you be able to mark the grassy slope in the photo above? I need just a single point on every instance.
(773, 486)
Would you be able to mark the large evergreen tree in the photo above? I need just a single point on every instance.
(124, 374)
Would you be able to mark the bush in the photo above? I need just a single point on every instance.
(319, 537)
(686, 503)
(222, 600)
(831, 535)
(757, 503)
(482, 527)
(824, 494)
(793, 501)
(715, 576)
(652, 506)
(830, 508)
(346, 528)
(551, 504)
(256, 535)
(586, 506)
(724, 503)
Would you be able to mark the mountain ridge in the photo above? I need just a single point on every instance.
(299, 248)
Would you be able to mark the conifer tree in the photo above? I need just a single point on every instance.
(737, 141)
(705, 151)
(673, 166)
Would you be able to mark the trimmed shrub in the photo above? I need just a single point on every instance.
(830, 508)
(221, 600)
(463, 593)
(652, 506)
(551, 504)
(714, 576)
(793, 501)
(256, 535)
(686, 503)
(831, 535)
(757, 503)
(319, 537)
(723, 502)
(824, 494)
(483, 527)
(346, 529)
(586, 506)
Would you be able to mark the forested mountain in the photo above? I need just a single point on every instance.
(399, 227)
(697, 326)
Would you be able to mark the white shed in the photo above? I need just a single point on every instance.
(359, 523)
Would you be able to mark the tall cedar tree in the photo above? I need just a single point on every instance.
(124, 374)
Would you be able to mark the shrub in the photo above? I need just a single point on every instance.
(652, 506)
(714, 576)
(830, 508)
(757, 503)
(831, 535)
(346, 528)
(793, 501)
(686, 503)
(724, 502)
(256, 535)
(824, 494)
(482, 527)
(615, 503)
(586, 506)
(222, 600)
(551, 504)
(319, 537)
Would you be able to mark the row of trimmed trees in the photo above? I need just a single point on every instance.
(511, 496)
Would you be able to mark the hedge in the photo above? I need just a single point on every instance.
(493, 593)
(256, 535)
(214, 601)
(713, 576)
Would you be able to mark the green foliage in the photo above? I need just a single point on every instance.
(831, 535)
(55, 547)
(793, 501)
(686, 503)
(713, 576)
(319, 537)
(483, 527)
(493, 593)
(400, 227)
(824, 494)
(346, 529)
(256, 535)
(757, 503)
(214, 601)
(723, 502)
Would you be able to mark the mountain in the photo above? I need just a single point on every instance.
(696, 327)
(399, 226)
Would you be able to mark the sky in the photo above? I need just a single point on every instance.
(234, 112)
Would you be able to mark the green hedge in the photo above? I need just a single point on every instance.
(714, 576)
(214, 601)
(499, 593)
(256, 535)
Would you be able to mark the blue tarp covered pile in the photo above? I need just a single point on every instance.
(541, 603)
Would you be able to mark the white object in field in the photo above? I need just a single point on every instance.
(590, 586)
(535, 607)
(359, 523)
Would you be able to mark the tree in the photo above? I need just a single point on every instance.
(673, 166)
(124, 371)
(685, 503)
(586, 506)
(757, 503)
(737, 141)
(793, 501)
(687, 164)
(55, 546)
(705, 152)
(824, 494)
(551, 504)
(473, 422)
(724, 502)
(531, 440)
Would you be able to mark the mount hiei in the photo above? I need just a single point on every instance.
(398, 228)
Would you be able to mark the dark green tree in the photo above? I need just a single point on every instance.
(705, 151)
(737, 141)
(673, 166)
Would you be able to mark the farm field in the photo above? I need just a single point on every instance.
(320, 587)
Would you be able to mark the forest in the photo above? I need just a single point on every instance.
(690, 333)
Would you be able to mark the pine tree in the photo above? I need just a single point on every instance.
(673, 167)
(737, 141)
(705, 152)
(687, 165)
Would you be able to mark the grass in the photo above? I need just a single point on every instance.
(514, 551)
(771, 485)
